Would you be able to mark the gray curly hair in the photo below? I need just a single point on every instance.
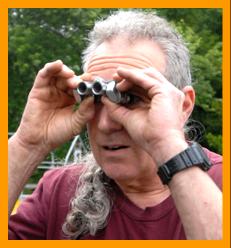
(134, 25)
(91, 204)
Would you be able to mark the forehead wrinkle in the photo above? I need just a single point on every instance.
(108, 66)
(123, 56)
(133, 61)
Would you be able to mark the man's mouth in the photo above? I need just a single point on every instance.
(115, 147)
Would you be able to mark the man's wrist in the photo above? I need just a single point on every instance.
(190, 157)
(20, 149)
(167, 149)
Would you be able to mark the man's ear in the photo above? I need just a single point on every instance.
(189, 101)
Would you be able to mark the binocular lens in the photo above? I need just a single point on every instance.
(97, 88)
(82, 87)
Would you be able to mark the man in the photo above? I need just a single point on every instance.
(144, 179)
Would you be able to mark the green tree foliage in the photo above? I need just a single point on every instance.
(37, 36)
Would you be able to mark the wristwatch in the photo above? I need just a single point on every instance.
(192, 156)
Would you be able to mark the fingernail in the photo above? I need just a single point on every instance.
(59, 60)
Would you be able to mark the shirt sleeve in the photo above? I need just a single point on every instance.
(215, 171)
(40, 216)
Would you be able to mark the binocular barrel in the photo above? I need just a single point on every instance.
(84, 88)
(99, 88)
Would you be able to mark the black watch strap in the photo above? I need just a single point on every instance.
(192, 156)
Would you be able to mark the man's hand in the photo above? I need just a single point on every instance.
(49, 118)
(159, 123)
(158, 128)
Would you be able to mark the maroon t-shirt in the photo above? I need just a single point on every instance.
(41, 215)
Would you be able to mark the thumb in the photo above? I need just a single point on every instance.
(117, 112)
(82, 115)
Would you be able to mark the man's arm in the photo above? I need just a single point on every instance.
(197, 198)
(22, 161)
(199, 203)
(49, 120)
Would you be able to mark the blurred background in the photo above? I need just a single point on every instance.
(38, 36)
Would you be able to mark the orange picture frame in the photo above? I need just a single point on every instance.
(4, 6)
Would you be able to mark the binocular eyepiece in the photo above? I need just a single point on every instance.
(99, 88)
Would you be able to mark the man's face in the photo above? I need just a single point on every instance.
(120, 158)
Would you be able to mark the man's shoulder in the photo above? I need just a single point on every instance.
(66, 170)
(65, 176)
(215, 158)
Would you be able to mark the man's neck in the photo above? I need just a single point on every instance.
(146, 194)
(148, 199)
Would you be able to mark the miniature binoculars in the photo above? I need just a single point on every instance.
(100, 87)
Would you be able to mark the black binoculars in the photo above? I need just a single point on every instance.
(100, 87)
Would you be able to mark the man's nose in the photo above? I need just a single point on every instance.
(105, 123)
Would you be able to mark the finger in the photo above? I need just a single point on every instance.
(81, 116)
(49, 71)
(87, 77)
(65, 72)
(116, 77)
(65, 84)
(74, 81)
(51, 68)
(117, 112)
(137, 77)
(124, 85)
(153, 72)
(57, 69)
(44, 75)
(142, 83)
